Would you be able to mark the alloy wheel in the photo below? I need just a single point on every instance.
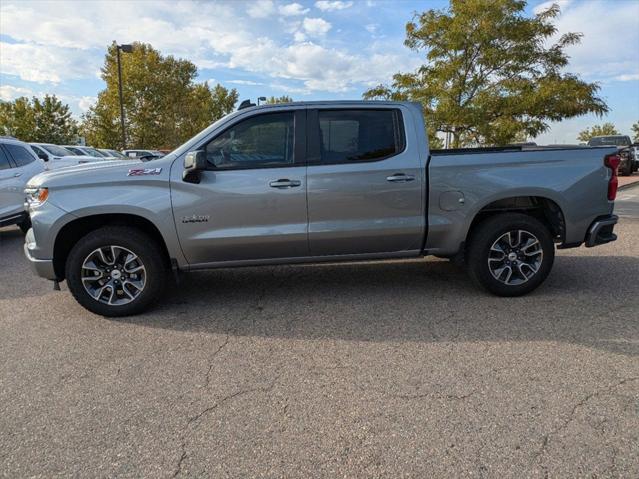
(113, 275)
(515, 257)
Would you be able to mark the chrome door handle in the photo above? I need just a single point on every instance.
(17, 175)
(400, 177)
(285, 183)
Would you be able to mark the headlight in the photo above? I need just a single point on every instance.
(36, 196)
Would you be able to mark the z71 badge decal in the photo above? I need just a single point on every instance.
(144, 171)
(195, 219)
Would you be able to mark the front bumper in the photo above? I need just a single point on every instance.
(41, 267)
(601, 231)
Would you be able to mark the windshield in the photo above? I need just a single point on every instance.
(56, 150)
(115, 153)
(185, 147)
(609, 140)
(94, 152)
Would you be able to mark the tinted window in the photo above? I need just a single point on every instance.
(40, 152)
(94, 152)
(610, 140)
(75, 151)
(20, 154)
(257, 142)
(56, 150)
(357, 135)
(4, 161)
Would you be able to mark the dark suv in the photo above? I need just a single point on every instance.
(623, 142)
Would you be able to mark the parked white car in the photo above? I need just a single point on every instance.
(89, 151)
(58, 157)
(143, 154)
(114, 153)
(18, 164)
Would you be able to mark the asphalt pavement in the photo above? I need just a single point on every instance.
(360, 370)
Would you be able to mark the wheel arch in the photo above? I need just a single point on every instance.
(544, 208)
(74, 230)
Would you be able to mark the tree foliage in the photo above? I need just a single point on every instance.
(163, 104)
(45, 120)
(489, 75)
(605, 129)
(635, 132)
(280, 99)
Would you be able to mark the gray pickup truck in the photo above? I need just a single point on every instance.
(315, 182)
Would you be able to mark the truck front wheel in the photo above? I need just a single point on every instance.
(116, 271)
(510, 254)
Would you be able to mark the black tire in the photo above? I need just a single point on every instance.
(151, 257)
(626, 169)
(486, 235)
(25, 225)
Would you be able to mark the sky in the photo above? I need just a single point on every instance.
(308, 50)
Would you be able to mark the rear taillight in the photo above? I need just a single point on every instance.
(612, 162)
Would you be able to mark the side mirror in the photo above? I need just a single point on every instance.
(194, 163)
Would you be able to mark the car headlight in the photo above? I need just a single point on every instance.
(36, 196)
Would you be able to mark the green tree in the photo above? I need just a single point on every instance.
(16, 119)
(280, 99)
(489, 76)
(598, 130)
(53, 121)
(46, 120)
(163, 104)
(635, 132)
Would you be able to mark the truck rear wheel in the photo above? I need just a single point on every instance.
(510, 254)
(116, 271)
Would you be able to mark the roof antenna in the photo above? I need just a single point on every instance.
(245, 104)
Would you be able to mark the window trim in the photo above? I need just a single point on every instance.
(299, 140)
(11, 157)
(314, 156)
(12, 164)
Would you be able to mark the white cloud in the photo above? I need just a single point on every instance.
(371, 28)
(244, 82)
(85, 102)
(261, 9)
(316, 26)
(546, 5)
(293, 9)
(605, 51)
(45, 63)
(328, 5)
(212, 35)
(9, 92)
(628, 77)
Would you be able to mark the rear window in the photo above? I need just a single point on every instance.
(20, 154)
(609, 140)
(359, 135)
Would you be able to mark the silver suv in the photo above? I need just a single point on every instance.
(18, 164)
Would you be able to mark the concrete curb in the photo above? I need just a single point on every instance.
(629, 185)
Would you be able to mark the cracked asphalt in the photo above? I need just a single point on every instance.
(359, 370)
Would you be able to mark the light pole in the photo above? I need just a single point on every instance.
(261, 98)
(125, 49)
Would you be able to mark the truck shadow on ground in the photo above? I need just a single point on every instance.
(582, 302)
(587, 300)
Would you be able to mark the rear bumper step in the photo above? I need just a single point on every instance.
(601, 231)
